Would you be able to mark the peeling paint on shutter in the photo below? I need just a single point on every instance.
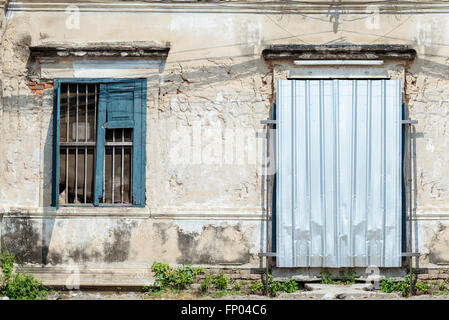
(338, 165)
(122, 104)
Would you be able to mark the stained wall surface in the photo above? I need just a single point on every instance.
(206, 193)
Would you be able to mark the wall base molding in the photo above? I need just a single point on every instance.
(73, 277)
(171, 213)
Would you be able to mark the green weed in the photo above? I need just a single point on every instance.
(19, 286)
(174, 278)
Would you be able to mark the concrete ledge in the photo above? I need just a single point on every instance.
(101, 49)
(443, 276)
(68, 277)
(339, 52)
(339, 292)
(72, 277)
(314, 274)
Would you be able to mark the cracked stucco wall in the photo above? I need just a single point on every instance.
(2, 15)
(204, 207)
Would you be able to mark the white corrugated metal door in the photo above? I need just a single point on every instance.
(338, 160)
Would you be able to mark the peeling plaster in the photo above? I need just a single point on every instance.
(215, 77)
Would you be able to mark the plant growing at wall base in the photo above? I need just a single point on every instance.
(24, 287)
(174, 278)
(274, 287)
(20, 286)
(347, 278)
(7, 265)
(389, 286)
(326, 277)
(221, 281)
(256, 287)
(205, 284)
(237, 286)
(290, 286)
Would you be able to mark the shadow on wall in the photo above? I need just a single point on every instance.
(19, 233)
(177, 78)
(429, 70)
(217, 71)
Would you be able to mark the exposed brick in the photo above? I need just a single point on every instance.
(32, 83)
(433, 276)
(245, 276)
(48, 86)
(37, 92)
(37, 87)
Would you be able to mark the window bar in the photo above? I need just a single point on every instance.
(104, 158)
(123, 161)
(76, 148)
(67, 149)
(104, 176)
(113, 164)
(104, 180)
(85, 149)
(95, 115)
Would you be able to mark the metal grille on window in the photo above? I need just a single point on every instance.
(79, 109)
(117, 167)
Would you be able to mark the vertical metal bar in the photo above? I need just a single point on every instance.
(68, 112)
(121, 171)
(67, 150)
(85, 149)
(76, 148)
(113, 164)
(383, 168)
(104, 180)
(409, 138)
(267, 247)
(131, 176)
(95, 114)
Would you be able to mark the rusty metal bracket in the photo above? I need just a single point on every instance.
(268, 122)
(267, 254)
(409, 121)
(411, 254)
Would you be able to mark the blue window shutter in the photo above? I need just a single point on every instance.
(122, 105)
(56, 112)
(138, 187)
(99, 150)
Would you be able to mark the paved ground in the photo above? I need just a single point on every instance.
(311, 292)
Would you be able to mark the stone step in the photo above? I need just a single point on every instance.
(337, 292)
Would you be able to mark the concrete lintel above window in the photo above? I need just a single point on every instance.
(101, 49)
(339, 52)
(93, 60)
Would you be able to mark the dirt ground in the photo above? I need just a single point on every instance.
(299, 295)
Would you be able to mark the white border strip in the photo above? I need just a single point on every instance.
(249, 7)
(338, 62)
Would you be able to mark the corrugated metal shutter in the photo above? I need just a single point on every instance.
(338, 165)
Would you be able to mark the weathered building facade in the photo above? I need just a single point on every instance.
(131, 132)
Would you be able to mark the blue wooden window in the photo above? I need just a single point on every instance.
(99, 142)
